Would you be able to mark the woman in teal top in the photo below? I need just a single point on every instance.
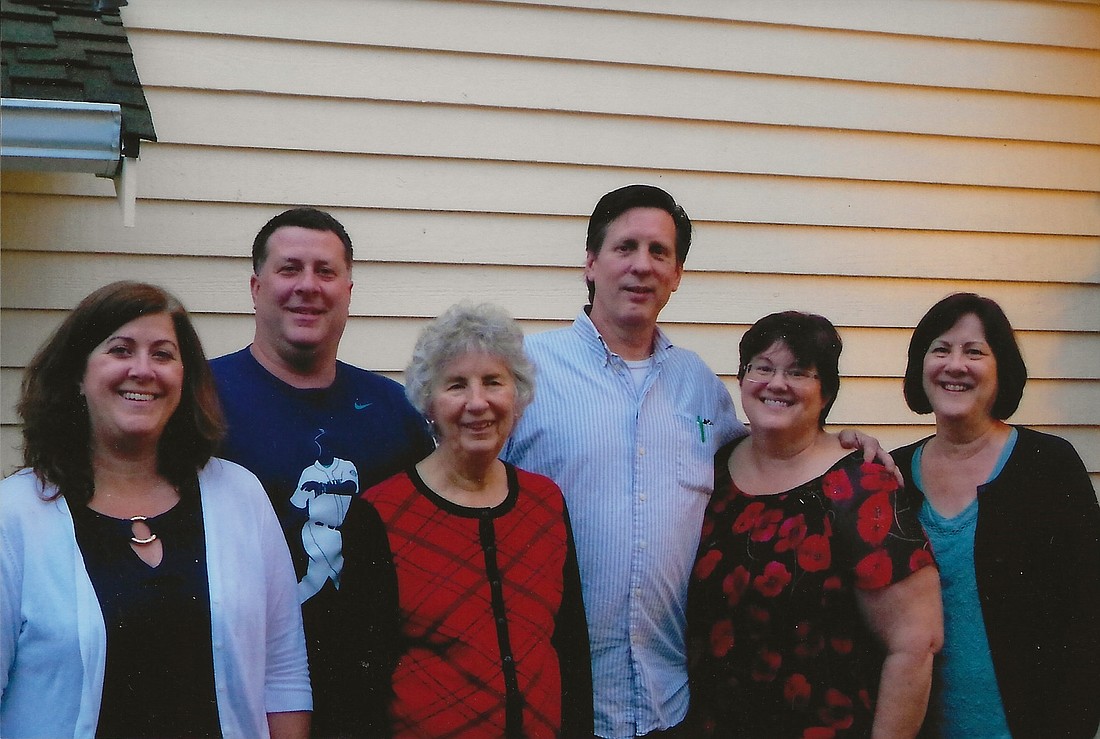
(1015, 527)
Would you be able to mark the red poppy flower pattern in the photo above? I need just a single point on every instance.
(778, 646)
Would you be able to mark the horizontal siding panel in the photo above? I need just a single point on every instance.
(386, 344)
(10, 380)
(380, 344)
(1037, 22)
(657, 40)
(375, 127)
(71, 224)
(11, 442)
(858, 301)
(217, 285)
(233, 175)
(357, 72)
(882, 352)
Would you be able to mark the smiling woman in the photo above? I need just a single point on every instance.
(1016, 529)
(133, 382)
(807, 564)
(142, 578)
(460, 579)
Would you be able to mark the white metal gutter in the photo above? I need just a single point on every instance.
(64, 136)
(60, 136)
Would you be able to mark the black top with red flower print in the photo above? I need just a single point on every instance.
(778, 645)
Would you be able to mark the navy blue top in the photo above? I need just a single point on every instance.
(313, 450)
(159, 674)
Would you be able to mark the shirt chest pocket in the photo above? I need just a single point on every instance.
(694, 454)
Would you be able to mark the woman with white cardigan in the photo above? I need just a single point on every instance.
(147, 590)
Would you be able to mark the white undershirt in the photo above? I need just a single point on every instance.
(639, 370)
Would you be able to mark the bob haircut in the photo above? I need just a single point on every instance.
(1011, 370)
(811, 338)
(464, 329)
(615, 203)
(311, 218)
(56, 428)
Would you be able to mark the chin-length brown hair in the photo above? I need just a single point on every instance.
(56, 428)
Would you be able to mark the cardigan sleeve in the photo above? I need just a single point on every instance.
(368, 593)
(286, 685)
(570, 639)
(1079, 714)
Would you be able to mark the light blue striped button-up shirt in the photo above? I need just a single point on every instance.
(636, 468)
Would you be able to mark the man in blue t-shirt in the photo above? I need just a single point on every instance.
(315, 430)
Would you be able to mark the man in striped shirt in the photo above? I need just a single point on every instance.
(627, 424)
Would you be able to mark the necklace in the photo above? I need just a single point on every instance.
(141, 534)
(134, 530)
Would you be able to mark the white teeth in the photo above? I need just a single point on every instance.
(138, 396)
(954, 388)
(776, 401)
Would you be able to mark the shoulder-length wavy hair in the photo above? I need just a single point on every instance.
(1011, 370)
(56, 427)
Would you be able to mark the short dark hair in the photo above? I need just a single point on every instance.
(56, 427)
(311, 218)
(812, 339)
(615, 203)
(1011, 370)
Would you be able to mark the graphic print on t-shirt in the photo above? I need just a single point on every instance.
(324, 492)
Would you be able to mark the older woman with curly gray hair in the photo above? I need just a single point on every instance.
(460, 579)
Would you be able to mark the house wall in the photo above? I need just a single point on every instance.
(860, 159)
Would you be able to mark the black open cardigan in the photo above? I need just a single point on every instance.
(1037, 560)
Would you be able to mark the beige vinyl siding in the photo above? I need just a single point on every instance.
(859, 159)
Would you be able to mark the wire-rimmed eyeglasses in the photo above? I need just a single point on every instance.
(765, 372)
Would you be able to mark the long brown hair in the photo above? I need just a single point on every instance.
(56, 428)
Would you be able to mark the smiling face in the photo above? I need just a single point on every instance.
(302, 294)
(473, 408)
(779, 405)
(133, 381)
(635, 271)
(960, 372)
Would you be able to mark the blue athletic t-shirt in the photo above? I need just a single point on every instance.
(314, 450)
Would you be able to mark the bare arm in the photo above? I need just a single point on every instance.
(289, 725)
(872, 450)
(908, 618)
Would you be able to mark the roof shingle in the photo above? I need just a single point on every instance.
(73, 50)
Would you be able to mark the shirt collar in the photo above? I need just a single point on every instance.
(584, 328)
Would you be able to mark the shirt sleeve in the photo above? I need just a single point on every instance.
(879, 538)
(369, 607)
(727, 425)
(571, 642)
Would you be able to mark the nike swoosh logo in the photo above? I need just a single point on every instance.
(361, 406)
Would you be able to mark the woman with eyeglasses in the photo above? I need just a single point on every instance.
(814, 607)
(1015, 526)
